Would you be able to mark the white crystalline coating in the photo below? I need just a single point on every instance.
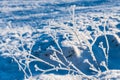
(117, 38)
(78, 47)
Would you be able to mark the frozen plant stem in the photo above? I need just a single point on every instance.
(79, 72)
(107, 43)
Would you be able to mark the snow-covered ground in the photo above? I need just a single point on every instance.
(59, 39)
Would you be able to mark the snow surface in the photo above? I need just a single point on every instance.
(85, 32)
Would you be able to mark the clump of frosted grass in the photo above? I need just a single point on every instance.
(18, 43)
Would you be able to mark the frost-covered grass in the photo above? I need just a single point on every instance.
(83, 46)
